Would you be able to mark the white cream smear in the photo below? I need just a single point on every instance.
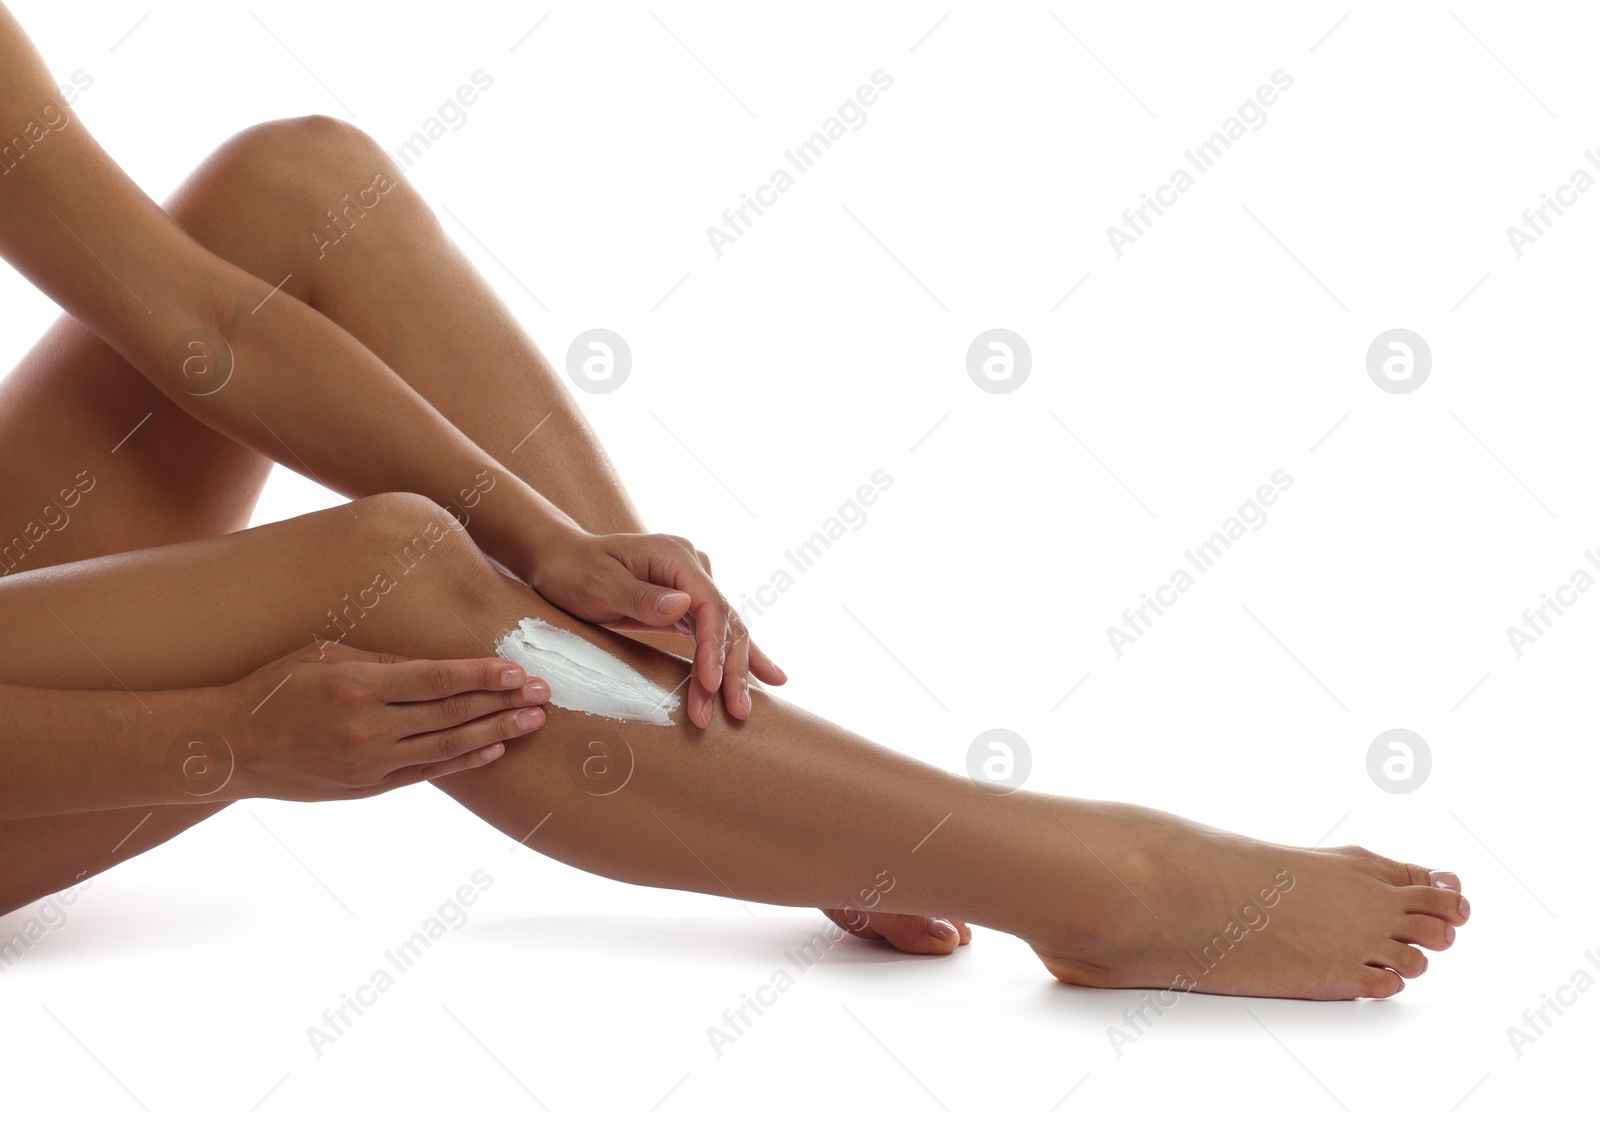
(583, 676)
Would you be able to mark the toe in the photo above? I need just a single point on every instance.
(1424, 930)
(1407, 960)
(1419, 876)
(1377, 982)
(1440, 902)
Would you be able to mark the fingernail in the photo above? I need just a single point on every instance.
(511, 677)
(490, 753)
(664, 602)
(745, 695)
(536, 691)
(1446, 880)
(1449, 935)
(1466, 908)
(530, 719)
(941, 929)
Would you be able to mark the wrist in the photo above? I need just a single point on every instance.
(195, 756)
(517, 526)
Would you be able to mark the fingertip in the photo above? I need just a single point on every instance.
(672, 604)
(711, 674)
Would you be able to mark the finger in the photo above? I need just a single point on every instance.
(909, 933)
(432, 771)
(417, 680)
(711, 640)
(765, 670)
(916, 933)
(705, 561)
(648, 602)
(736, 676)
(702, 704)
(463, 707)
(447, 745)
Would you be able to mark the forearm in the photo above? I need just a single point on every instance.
(301, 390)
(78, 751)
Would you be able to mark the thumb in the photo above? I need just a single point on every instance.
(651, 604)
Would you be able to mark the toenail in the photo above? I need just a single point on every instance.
(941, 929)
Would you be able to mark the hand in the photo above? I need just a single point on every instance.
(646, 583)
(909, 933)
(343, 723)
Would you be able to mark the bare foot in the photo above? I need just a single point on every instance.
(1201, 910)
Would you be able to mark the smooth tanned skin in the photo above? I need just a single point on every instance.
(154, 577)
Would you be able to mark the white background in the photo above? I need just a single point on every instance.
(829, 342)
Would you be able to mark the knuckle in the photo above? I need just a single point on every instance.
(425, 772)
(455, 710)
(440, 681)
(449, 745)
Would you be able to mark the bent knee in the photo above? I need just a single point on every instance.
(282, 183)
(312, 143)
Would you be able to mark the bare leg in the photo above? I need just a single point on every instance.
(396, 282)
(392, 279)
(783, 808)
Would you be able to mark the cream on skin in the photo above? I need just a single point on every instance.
(583, 676)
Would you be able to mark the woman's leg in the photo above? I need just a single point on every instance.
(390, 276)
(397, 283)
(781, 808)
